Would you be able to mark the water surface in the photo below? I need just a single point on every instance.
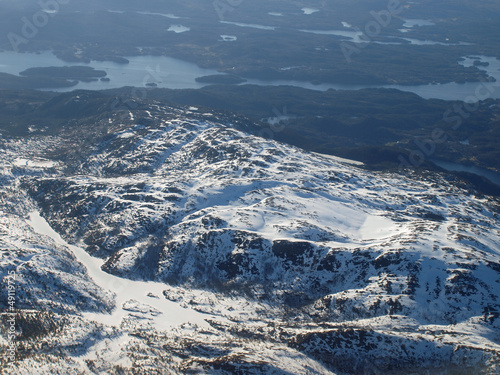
(455, 167)
(168, 72)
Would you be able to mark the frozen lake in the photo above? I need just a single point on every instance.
(130, 295)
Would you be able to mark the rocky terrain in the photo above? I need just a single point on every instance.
(168, 240)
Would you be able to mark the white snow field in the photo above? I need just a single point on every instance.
(176, 243)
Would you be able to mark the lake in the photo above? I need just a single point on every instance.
(163, 71)
(455, 167)
(168, 72)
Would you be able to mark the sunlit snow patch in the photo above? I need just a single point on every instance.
(251, 25)
(309, 10)
(228, 38)
(36, 163)
(167, 15)
(178, 29)
(342, 160)
(377, 227)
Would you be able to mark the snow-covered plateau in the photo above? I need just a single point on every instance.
(173, 242)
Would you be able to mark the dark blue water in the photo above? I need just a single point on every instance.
(455, 167)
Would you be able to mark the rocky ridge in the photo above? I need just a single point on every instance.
(309, 264)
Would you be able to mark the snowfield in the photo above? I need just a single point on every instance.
(179, 244)
(142, 299)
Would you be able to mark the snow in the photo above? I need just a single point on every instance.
(125, 290)
(309, 11)
(409, 260)
(35, 163)
(377, 227)
(128, 134)
(167, 15)
(178, 29)
(228, 38)
(110, 350)
(339, 159)
(250, 25)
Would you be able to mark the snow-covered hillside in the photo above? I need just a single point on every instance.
(271, 259)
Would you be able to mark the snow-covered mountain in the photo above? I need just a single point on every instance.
(259, 257)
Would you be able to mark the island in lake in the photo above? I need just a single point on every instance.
(76, 73)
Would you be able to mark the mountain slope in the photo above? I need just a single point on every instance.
(336, 268)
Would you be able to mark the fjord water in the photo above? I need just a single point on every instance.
(456, 167)
(168, 72)
(141, 70)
